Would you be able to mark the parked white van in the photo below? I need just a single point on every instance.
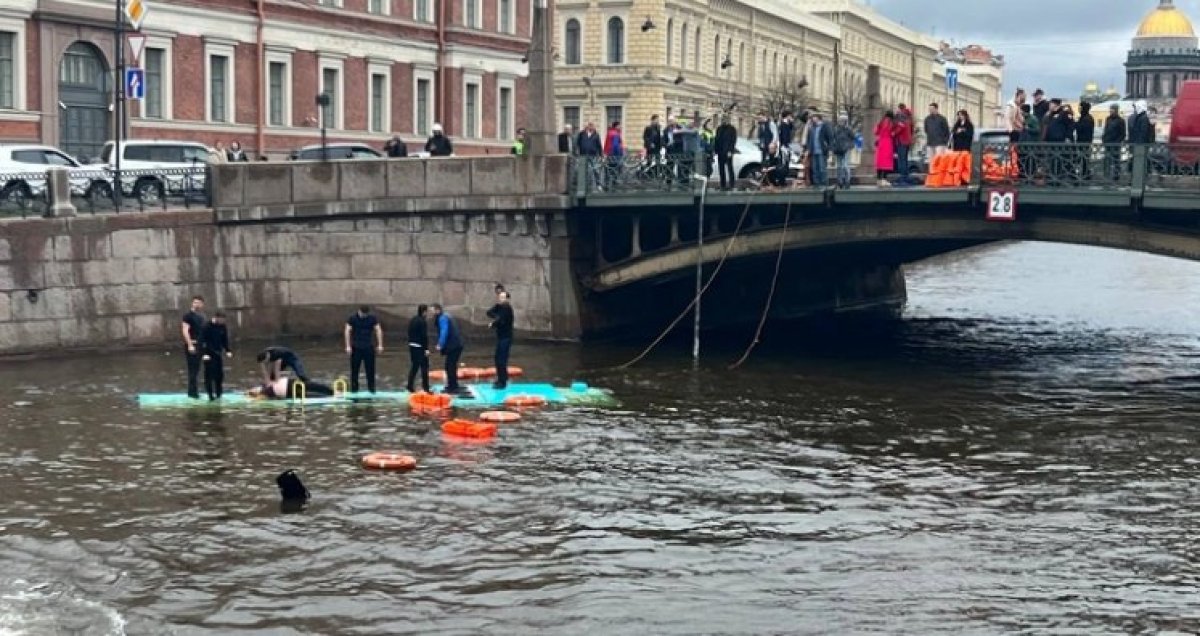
(150, 169)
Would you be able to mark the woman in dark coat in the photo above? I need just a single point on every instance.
(963, 132)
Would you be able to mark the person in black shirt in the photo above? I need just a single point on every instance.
(190, 327)
(275, 359)
(418, 349)
(502, 321)
(364, 338)
(214, 346)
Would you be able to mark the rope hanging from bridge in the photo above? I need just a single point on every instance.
(686, 310)
(762, 321)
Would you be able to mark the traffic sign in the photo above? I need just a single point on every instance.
(1002, 205)
(951, 77)
(135, 83)
(135, 11)
(137, 44)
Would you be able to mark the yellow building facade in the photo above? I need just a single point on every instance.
(627, 60)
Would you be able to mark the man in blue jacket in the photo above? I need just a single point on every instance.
(450, 345)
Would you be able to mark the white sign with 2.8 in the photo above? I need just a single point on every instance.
(1002, 205)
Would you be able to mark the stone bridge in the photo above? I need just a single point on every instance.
(289, 248)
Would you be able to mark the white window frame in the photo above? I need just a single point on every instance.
(379, 67)
(478, 14)
(512, 17)
(165, 45)
(20, 63)
(327, 62)
(385, 7)
(429, 18)
(566, 18)
(226, 49)
(333, 4)
(429, 75)
(511, 85)
(279, 55)
(475, 80)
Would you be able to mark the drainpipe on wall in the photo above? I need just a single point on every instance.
(260, 124)
(441, 87)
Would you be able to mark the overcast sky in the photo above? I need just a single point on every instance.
(1058, 45)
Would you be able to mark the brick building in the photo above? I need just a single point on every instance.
(250, 70)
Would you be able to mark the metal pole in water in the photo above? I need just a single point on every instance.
(699, 267)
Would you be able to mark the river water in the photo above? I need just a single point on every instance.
(1017, 453)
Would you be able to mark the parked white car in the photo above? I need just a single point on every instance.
(157, 167)
(747, 161)
(23, 173)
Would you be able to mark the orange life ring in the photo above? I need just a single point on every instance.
(520, 401)
(389, 461)
(500, 417)
(437, 376)
(471, 373)
(514, 372)
(467, 428)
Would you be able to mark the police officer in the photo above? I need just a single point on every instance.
(364, 338)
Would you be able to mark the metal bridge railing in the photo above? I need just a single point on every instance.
(635, 173)
(27, 194)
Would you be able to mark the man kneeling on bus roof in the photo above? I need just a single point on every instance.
(282, 388)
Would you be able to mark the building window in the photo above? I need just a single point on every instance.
(8, 70)
(423, 107)
(506, 112)
(696, 54)
(506, 16)
(616, 41)
(218, 88)
(276, 74)
(378, 85)
(378, 7)
(670, 40)
(152, 106)
(330, 115)
(716, 54)
(421, 11)
(614, 114)
(572, 37)
(741, 63)
(571, 117)
(471, 13)
(683, 35)
(330, 3)
(471, 111)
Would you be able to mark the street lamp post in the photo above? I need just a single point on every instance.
(323, 102)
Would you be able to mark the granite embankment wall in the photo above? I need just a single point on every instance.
(105, 281)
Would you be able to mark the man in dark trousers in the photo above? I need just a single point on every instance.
(364, 338)
(725, 145)
(275, 359)
(1113, 139)
(450, 345)
(190, 327)
(418, 349)
(502, 321)
(214, 345)
(1085, 134)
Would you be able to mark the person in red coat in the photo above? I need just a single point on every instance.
(885, 147)
(614, 149)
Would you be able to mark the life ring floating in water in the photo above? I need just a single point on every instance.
(500, 417)
(513, 372)
(472, 373)
(437, 376)
(524, 401)
(389, 461)
(467, 428)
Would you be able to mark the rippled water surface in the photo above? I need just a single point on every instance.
(1018, 453)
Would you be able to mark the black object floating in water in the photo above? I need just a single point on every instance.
(293, 495)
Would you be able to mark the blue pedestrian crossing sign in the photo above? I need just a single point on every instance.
(135, 83)
(951, 78)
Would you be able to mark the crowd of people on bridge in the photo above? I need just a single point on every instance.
(207, 346)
